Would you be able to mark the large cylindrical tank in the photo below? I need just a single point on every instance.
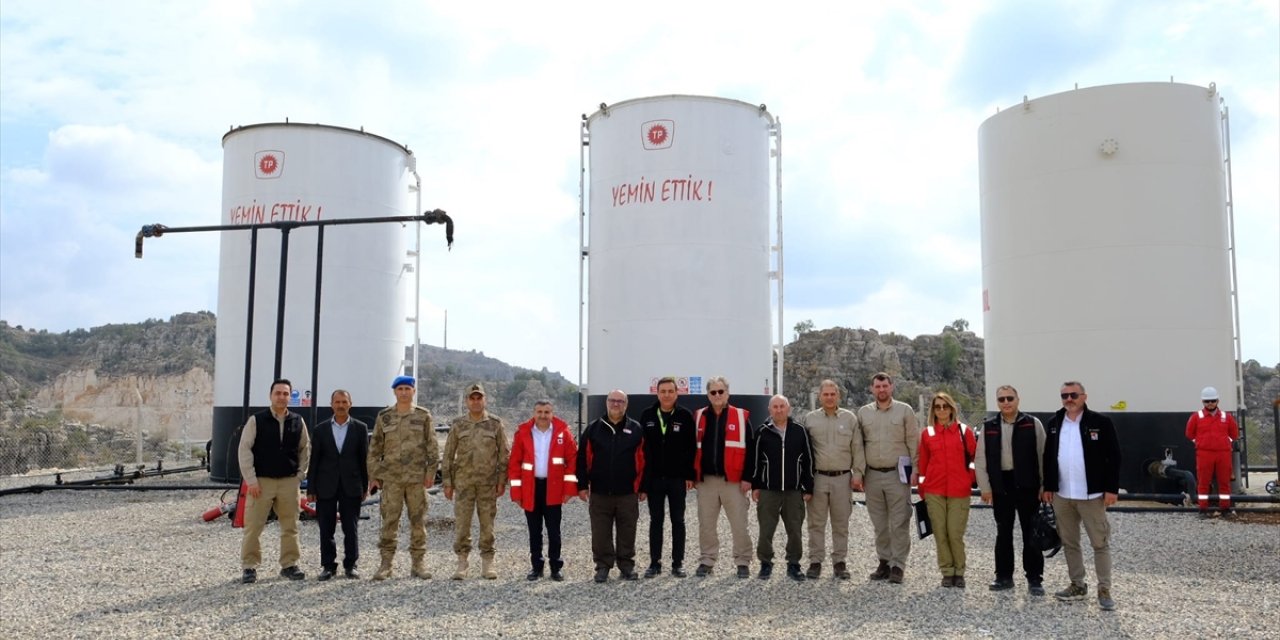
(679, 250)
(300, 172)
(1105, 258)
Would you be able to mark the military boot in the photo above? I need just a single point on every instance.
(419, 569)
(486, 568)
(384, 569)
(461, 572)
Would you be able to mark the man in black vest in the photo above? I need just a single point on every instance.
(1008, 465)
(338, 480)
(274, 452)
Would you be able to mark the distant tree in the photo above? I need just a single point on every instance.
(949, 357)
(957, 325)
(803, 327)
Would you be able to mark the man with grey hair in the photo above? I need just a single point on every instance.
(541, 471)
(887, 438)
(610, 463)
(781, 481)
(831, 432)
(1082, 479)
(724, 446)
(1007, 464)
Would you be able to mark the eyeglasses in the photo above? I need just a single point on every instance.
(1071, 395)
(1005, 399)
(1210, 401)
(717, 392)
(938, 407)
(616, 401)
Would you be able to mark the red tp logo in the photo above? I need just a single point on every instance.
(657, 134)
(268, 164)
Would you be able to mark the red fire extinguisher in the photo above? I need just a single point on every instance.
(224, 507)
(238, 521)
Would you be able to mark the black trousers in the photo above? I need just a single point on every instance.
(327, 513)
(1025, 504)
(550, 516)
(672, 491)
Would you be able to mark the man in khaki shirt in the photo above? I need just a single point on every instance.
(403, 456)
(474, 473)
(274, 451)
(831, 434)
(888, 434)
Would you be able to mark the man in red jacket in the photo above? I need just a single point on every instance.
(1213, 430)
(541, 470)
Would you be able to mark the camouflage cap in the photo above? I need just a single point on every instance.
(474, 389)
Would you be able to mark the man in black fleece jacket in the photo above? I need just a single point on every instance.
(782, 482)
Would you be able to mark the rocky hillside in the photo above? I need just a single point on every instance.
(71, 392)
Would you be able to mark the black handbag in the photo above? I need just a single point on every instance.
(924, 526)
(1044, 535)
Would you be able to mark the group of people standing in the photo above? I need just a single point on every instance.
(790, 469)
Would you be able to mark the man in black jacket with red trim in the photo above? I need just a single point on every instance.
(610, 463)
(1082, 479)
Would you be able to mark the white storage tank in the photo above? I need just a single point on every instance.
(678, 248)
(1105, 257)
(281, 172)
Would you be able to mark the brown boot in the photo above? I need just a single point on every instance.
(419, 569)
(461, 572)
(384, 569)
(841, 571)
(881, 572)
(486, 568)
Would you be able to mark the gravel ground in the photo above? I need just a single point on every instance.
(97, 564)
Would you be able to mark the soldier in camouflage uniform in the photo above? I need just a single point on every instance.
(474, 466)
(403, 456)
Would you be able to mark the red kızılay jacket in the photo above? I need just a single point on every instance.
(562, 481)
(1212, 431)
(946, 460)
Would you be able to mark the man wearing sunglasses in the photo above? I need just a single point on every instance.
(723, 449)
(1213, 430)
(1008, 469)
(1082, 479)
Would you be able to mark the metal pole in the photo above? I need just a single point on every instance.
(1242, 410)
(582, 264)
(284, 280)
(138, 445)
(315, 330)
(248, 331)
(778, 205)
(417, 275)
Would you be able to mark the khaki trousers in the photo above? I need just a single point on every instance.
(715, 492)
(832, 500)
(950, 518)
(889, 505)
(483, 502)
(1093, 515)
(395, 497)
(282, 495)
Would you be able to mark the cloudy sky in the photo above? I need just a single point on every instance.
(112, 114)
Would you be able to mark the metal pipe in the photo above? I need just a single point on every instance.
(315, 330)
(782, 345)
(248, 331)
(41, 488)
(283, 286)
(582, 264)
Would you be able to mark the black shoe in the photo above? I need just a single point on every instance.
(292, 573)
(957, 582)
(815, 570)
(557, 576)
(602, 576)
(1205, 515)
(534, 574)
(630, 575)
(1228, 514)
(793, 571)
(327, 574)
(1035, 589)
(703, 570)
(1001, 584)
(653, 570)
(841, 571)
(678, 572)
(351, 573)
(895, 575)
(249, 576)
(744, 571)
(766, 570)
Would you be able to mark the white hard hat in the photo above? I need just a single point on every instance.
(1209, 393)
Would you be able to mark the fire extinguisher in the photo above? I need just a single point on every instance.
(224, 507)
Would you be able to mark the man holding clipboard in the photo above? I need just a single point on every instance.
(883, 456)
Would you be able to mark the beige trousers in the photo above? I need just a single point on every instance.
(832, 500)
(715, 492)
(889, 505)
(1093, 515)
(282, 495)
